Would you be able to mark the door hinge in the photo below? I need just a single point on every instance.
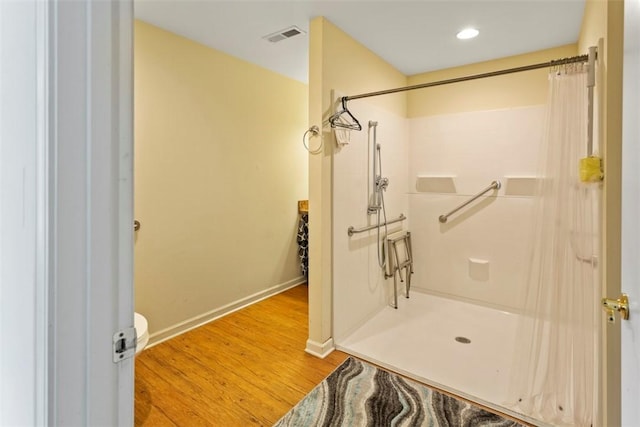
(124, 344)
(621, 305)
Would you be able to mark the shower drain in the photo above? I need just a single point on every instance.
(463, 340)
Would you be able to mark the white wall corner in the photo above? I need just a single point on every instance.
(320, 350)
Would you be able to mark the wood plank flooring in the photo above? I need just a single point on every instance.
(247, 368)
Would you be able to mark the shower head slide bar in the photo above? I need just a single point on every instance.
(495, 185)
(352, 230)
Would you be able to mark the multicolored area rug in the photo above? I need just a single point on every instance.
(359, 394)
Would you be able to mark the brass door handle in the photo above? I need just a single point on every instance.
(136, 225)
(621, 305)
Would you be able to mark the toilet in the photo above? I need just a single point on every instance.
(142, 331)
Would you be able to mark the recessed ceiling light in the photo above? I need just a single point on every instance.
(467, 33)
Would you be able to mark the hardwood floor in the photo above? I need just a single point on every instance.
(248, 368)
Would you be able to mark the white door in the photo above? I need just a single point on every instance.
(631, 215)
(66, 211)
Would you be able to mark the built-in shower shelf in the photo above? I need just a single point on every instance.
(435, 184)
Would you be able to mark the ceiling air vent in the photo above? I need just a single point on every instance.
(287, 33)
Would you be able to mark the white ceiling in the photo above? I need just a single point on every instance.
(414, 36)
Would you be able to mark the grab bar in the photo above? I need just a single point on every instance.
(495, 185)
(352, 230)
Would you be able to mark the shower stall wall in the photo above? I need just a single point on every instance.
(457, 331)
(359, 287)
(479, 254)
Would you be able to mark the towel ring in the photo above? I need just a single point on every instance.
(313, 131)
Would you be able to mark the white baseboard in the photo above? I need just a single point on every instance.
(194, 322)
(320, 350)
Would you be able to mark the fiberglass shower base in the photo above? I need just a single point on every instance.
(419, 340)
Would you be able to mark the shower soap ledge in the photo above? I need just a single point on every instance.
(479, 269)
(435, 184)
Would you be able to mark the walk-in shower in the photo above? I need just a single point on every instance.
(459, 329)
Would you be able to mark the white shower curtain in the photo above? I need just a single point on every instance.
(554, 375)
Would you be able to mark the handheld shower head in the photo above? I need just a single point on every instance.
(382, 183)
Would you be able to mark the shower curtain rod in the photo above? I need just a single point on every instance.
(570, 60)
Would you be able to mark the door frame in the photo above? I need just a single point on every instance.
(23, 199)
(630, 349)
(609, 411)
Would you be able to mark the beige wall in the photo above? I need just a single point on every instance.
(218, 171)
(336, 61)
(594, 24)
(508, 91)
